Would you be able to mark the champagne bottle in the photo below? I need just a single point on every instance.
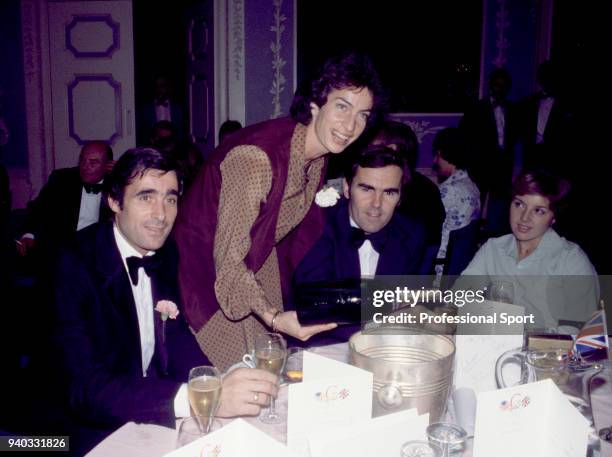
(329, 301)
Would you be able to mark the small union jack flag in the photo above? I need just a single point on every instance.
(591, 343)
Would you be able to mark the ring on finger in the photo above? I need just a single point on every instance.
(255, 397)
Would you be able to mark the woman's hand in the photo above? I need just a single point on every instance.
(287, 322)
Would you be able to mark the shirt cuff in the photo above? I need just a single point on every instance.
(181, 402)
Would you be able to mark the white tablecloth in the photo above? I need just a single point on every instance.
(146, 440)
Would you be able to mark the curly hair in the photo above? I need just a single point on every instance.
(348, 70)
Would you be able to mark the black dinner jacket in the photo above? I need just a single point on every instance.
(97, 335)
(333, 256)
(490, 166)
(559, 135)
(53, 216)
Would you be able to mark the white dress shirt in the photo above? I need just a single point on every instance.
(143, 298)
(163, 113)
(89, 211)
(500, 123)
(368, 257)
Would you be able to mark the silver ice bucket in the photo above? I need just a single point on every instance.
(411, 370)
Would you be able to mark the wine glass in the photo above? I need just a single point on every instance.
(270, 353)
(502, 291)
(204, 390)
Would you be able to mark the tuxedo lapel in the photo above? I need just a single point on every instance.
(348, 260)
(116, 283)
(164, 286)
(73, 192)
(399, 248)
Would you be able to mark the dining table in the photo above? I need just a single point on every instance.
(149, 440)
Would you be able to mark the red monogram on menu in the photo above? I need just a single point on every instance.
(333, 393)
(210, 450)
(517, 401)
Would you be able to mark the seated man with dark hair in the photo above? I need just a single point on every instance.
(420, 199)
(364, 235)
(124, 347)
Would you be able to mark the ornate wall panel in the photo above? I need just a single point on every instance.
(94, 108)
(80, 30)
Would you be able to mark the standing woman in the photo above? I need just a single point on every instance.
(249, 217)
(552, 277)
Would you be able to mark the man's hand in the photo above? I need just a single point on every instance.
(25, 245)
(288, 323)
(245, 391)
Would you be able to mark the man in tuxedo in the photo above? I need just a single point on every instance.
(163, 106)
(548, 125)
(123, 357)
(364, 235)
(420, 198)
(70, 201)
(490, 130)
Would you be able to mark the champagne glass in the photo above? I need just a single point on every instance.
(204, 390)
(502, 291)
(270, 353)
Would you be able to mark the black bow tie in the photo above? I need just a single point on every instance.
(150, 263)
(92, 188)
(357, 237)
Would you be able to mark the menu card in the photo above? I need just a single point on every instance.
(381, 436)
(533, 419)
(332, 393)
(237, 439)
(478, 346)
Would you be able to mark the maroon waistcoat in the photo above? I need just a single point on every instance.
(197, 221)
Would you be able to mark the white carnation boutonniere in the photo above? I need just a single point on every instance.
(326, 197)
(167, 309)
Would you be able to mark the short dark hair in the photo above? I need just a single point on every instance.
(135, 162)
(229, 126)
(545, 184)
(451, 145)
(107, 148)
(378, 157)
(401, 135)
(348, 70)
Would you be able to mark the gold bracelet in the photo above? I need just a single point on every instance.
(273, 319)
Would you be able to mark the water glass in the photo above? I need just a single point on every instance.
(449, 437)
